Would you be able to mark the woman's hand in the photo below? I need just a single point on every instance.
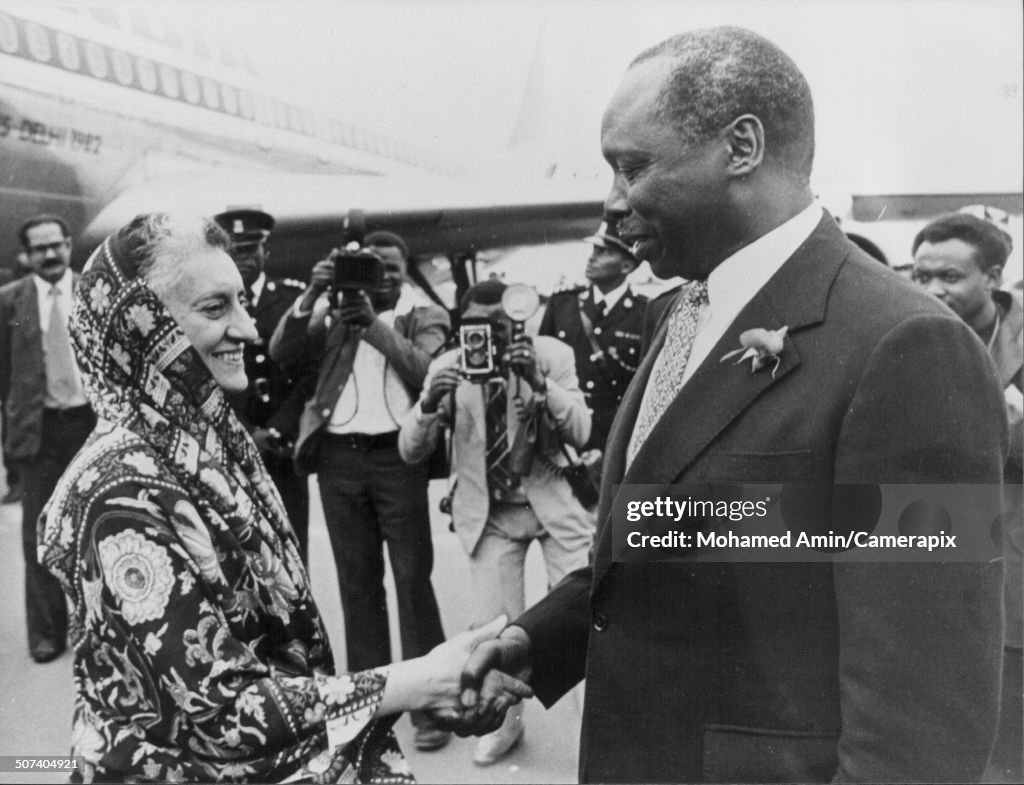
(434, 681)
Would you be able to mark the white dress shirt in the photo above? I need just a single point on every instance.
(65, 289)
(735, 281)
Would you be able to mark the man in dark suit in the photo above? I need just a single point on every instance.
(373, 346)
(602, 323)
(799, 671)
(270, 408)
(47, 417)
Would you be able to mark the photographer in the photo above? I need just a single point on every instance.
(374, 340)
(509, 430)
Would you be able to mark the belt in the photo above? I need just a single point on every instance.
(364, 442)
(70, 413)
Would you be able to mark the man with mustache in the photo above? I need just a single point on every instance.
(790, 671)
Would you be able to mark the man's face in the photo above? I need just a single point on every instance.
(671, 195)
(207, 300)
(949, 270)
(250, 260)
(394, 277)
(501, 325)
(49, 251)
(607, 266)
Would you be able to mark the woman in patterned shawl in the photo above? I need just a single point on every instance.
(199, 652)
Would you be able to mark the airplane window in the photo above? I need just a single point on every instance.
(295, 119)
(122, 66)
(190, 84)
(227, 57)
(147, 74)
(38, 42)
(211, 96)
(169, 81)
(245, 104)
(248, 63)
(8, 34)
(229, 98)
(96, 57)
(67, 50)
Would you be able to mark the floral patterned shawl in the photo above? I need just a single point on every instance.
(199, 651)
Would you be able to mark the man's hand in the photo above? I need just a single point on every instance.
(270, 441)
(522, 359)
(485, 681)
(356, 309)
(446, 380)
(435, 681)
(320, 280)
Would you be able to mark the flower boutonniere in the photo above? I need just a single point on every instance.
(761, 347)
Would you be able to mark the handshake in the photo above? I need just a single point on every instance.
(467, 683)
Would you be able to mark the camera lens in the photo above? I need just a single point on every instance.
(475, 340)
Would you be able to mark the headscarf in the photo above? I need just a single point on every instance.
(143, 376)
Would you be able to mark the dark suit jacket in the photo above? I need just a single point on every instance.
(409, 348)
(22, 368)
(785, 671)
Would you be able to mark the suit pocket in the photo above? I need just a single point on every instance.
(735, 753)
(789, 466)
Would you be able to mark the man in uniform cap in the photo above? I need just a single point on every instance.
(602, 323)
(270, 408)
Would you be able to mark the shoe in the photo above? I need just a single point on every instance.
(430, 738)
(47, 651)
(495, 746)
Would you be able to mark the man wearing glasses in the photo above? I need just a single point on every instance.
(47, 416)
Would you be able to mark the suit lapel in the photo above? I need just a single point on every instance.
(718, 393)
(27, 310)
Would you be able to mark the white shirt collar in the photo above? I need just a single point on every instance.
(735, 281)
(612, 297)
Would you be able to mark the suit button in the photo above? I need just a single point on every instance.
(261, 358)
(326, 413)
(600, 622)
(597, 331)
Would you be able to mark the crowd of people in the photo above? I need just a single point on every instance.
(164, 408)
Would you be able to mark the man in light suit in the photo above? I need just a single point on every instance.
(497, 514)
(817, 671)
(47, 417)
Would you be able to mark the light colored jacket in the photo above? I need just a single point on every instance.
(565, 411)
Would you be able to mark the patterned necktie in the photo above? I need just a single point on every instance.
(500, 480)
(667, 376)
(61, 372)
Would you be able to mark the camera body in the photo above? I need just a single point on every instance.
(478, 351)
(356, 268)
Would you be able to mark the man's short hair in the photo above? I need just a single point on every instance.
(992, 245)
(722, 73)
(39, 220)
(485, 293)
(384, 239)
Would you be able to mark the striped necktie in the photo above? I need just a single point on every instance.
(500, 479)
(667, 376)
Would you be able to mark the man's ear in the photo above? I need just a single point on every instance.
(994, 278)
(745, 136)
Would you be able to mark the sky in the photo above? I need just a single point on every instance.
(911, 95)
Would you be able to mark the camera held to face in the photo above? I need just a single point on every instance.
(478, 350)
(356, 268)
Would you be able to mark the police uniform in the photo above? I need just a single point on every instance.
(618, 334)
(273, 400)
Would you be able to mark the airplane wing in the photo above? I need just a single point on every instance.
(435, 214)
